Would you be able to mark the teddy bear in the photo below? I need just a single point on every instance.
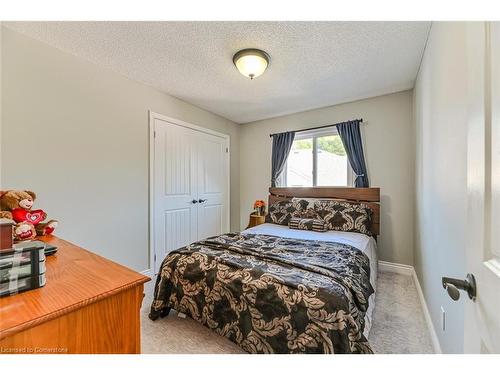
(17, 205)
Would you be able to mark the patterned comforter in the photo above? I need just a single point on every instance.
(270, 294)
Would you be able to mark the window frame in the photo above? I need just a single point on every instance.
(315, 134)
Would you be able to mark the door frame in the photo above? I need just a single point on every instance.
(157, 116)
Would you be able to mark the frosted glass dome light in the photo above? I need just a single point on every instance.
(251, 62)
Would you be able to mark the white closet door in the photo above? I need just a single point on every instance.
(175, 188)
(190, 186)
(213, 169)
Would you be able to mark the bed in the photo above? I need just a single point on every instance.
(272, 289)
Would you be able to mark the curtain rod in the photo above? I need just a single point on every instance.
(317, 127)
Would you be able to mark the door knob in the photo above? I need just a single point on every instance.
(202, 200)
(453, 286)
(194, 201)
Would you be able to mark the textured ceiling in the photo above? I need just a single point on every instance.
(313, 64)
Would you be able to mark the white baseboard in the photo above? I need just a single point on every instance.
(405, 269)
(427, 315)
(402, 269)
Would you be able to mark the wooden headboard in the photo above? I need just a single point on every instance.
(368, 196)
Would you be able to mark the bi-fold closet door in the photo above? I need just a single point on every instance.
(191, 183)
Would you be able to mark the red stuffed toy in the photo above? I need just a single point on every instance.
(16, 205)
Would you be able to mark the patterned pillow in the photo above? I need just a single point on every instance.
(316, 225)
(308, 213)
(345, 216)
(281, 212)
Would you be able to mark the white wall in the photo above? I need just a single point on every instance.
(441, 177)
(78, 134)
(389, 153)
(1, 104)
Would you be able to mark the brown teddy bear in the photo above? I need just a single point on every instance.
(17, 205)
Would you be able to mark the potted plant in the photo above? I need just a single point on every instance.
(259, 207)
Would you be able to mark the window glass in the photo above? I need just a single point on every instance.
(318, 160)
(332, 162)
(300, 163)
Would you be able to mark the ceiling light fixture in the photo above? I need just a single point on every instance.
(251, 62)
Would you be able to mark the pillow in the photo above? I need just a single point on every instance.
(345, 216)
(311, 201)
(316, 225)
(309, 211)
(281, 212)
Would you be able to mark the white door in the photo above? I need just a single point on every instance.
(175, 188)
(482, 317)
(213, 182)
(190, 186)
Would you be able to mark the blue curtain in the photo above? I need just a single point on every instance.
(282, 143)
(351, 138)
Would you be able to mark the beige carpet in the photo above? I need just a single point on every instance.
(398, 325)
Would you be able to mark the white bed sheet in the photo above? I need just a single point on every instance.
(358, 240)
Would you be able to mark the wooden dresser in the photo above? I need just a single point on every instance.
(89, 305)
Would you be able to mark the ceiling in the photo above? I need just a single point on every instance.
(313, 64)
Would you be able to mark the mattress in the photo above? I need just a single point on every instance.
(360, 241)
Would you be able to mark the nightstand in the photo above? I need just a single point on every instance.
(255, 220)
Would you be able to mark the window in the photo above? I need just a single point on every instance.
(318, 159)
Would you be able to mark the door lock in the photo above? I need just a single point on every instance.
(194, 201)
(452, 286)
